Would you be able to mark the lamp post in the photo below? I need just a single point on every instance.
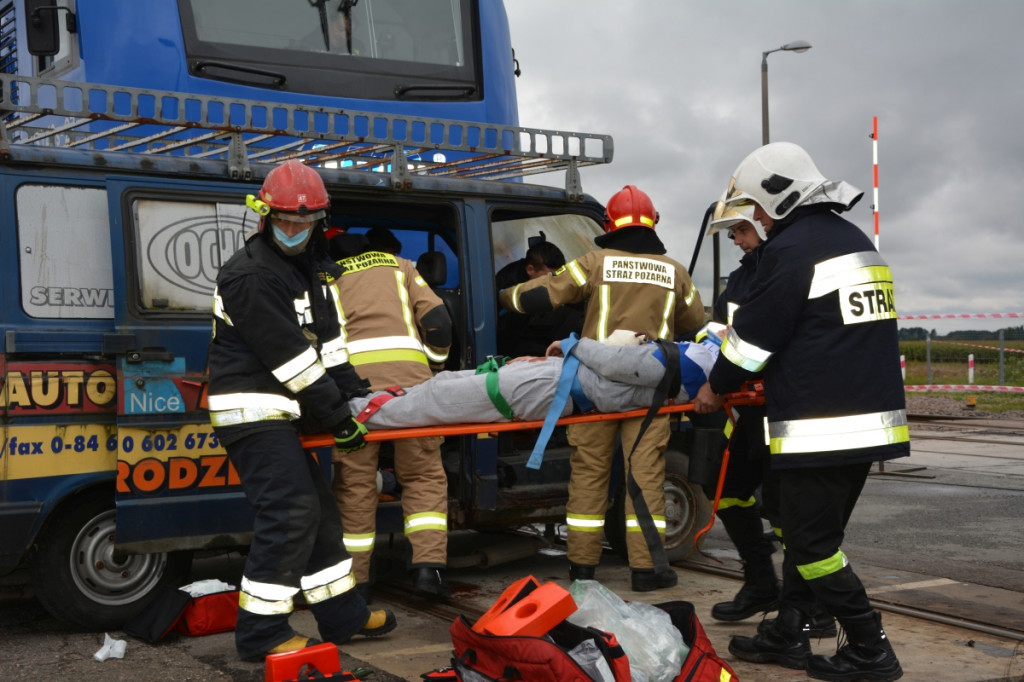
(795, 46)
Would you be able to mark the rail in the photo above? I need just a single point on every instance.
(54, 113)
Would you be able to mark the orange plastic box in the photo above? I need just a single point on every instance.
(512, 594)
(535, 614)
(285, 667)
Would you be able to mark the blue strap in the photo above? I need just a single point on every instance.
(569, 366)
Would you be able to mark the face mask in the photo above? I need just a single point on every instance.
(291, 246)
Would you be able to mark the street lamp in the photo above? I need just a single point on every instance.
(795, 46)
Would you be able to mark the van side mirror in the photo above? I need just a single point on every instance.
(42, 31)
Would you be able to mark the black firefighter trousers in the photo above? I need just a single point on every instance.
(297, 532)
(815, 506)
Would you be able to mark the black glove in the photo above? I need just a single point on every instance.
(350, 436)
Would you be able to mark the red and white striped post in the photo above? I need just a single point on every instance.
(874, 154)
(903, 366)
(970, 368)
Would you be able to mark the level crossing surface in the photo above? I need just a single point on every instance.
(936, 539)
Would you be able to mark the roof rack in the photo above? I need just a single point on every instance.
(67, 114)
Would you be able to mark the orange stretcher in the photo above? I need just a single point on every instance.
(753, 394)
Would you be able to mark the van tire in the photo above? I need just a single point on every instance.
(687, 511)
(82, 580)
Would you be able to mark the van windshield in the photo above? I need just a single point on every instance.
(393, 40)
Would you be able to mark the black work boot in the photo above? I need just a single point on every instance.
(581, 572)
(647, 580)
(428, 583)
(784, 642)
(760, 591)
(867, 655)
(820, 625)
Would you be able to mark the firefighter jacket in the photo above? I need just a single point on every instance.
(277, 353)
(393, 325)
(630, 285)
(820, 320)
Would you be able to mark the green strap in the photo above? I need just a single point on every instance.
(491, 366)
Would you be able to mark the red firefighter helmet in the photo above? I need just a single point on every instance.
(629, 207)
(294, 187)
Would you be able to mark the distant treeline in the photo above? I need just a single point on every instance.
(920, 334)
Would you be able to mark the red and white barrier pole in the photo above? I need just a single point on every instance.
(903, 366)
(874, 153)
(970, 368)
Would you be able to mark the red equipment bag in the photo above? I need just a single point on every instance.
(489, 658)
(702, 664)
(209, 614)
(481, 657)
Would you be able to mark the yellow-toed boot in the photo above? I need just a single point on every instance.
(381, 621)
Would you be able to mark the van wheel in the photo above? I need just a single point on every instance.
(80, 578)
(687, 510)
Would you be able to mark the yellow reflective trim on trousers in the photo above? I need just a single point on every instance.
(727, 502)
(394, 355)
(666, 315)
(426, 521)
(829, 434)
(332, 589)
(604, 309)
(359, 542)
(261, 607)
(577, 273)
(743, 354)
(585, 523)
(820, 569)
(633, 523)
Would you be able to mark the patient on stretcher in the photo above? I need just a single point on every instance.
(609, 378)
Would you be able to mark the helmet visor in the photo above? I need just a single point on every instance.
(290, 217)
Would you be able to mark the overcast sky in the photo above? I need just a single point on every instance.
(677, 84)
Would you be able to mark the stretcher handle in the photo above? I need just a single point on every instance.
(320, 440)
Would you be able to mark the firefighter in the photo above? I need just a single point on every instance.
(749, 459)
(820, 320)
(276, 357)
(396, 328)
(628, 283)
(738, 508)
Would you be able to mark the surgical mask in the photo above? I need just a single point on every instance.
(291, 246)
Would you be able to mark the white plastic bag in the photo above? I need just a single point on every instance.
(653, 645)
(112, 648)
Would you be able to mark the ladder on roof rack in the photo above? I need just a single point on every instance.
(55, 113)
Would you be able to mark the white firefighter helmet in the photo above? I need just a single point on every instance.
(779, 176)
(726, 217)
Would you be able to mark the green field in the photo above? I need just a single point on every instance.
(949, 366)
